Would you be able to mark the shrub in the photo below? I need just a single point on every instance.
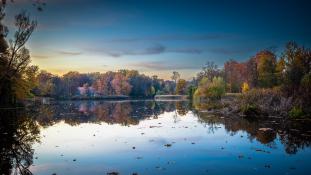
(296, 112)
(249, 109)
(265, 101)
(217, 89)
(212, 90)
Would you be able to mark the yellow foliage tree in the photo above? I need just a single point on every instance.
(245, 87)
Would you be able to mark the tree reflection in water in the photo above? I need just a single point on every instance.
(20, 129)
(293, 135)
(18, 133)
(121, 112)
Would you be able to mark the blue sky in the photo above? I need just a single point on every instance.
(158, 37)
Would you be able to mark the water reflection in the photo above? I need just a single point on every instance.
(20, 130)
(293, 135)
(111, 112)
(18, 133)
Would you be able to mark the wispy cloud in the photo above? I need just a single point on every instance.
(153, 50)
(40, 56)
(231, 51)
(69, 53)
(201, 37)
(161, 65)
(187, 50)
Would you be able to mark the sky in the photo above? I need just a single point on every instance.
(158, 37)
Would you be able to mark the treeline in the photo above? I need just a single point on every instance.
(270, 84)
(266, 70)
(276, 85)
(123, 82)
(20, 80)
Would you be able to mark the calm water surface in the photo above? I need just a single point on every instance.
(148, 137)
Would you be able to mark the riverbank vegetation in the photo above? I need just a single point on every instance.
(279, 86)
(269, 85)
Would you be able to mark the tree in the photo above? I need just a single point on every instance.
(15, 59)
(45, 84)
(266, 67)
(58, 87)
(72, 80)
(121, 85)
(216, 89)
(175, 76)
(190, 91)
(142, 86)
(252, 73)
(168, 87)
(235, 75)
(23, 88)
(156, 83)
(84, 90)
(102, 85)
(297, 64)
(245, 87)
(16, 146)
(280, 71)
(4, 30)
(209, 70)
(305, 91)
(212, 90)
(181, 87)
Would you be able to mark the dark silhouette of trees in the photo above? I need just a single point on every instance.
(18, 133)
(16, 76)
(297, 64)
(297, 75)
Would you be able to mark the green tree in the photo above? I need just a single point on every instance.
(23, 88)
(212, 90)
(45, 84)
(266, 67)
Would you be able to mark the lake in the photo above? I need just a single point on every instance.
(148, 137)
